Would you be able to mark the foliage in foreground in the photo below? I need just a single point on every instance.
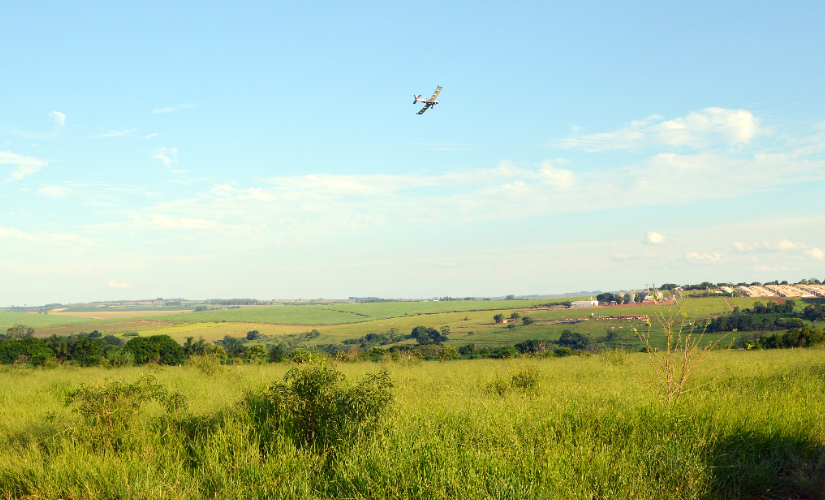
(585, 429)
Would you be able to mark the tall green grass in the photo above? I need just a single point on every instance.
(581, 428)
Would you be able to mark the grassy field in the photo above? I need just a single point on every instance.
(590, 429)
(473, 323)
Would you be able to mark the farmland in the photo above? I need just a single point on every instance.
(468, 321)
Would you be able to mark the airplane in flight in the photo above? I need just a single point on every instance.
(428, 103)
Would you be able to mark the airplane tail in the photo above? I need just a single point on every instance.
(415, 98)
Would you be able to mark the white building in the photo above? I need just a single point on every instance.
(583, 303)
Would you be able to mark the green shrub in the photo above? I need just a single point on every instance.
(34, 349)
(564, 351)
(316, 408)
(525, 380)
(448, 353)
(106, 411)
(161, 349)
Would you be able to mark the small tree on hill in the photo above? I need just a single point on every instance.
(499, 318)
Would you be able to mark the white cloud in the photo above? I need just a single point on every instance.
(743, 247)
(695, 130)
(153, 134)
(115, 284)
(54, 191)
(59, 240)
(58, 118)
(782, 244)
(167, 155)
(26, 165)
(705, 258)
(655, 238)
(816, 253)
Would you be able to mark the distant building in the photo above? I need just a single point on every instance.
(583, 303)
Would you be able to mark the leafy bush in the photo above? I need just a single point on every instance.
(106, 411)
(161, 349)
(316, 408)
(573, 340)
(35, 349)
(525, 380)
(448, 353)
(301, 356)
(564, 351)
(118, 357)
(467, 349)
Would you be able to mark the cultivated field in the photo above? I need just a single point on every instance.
(585, 427)
(472, 323)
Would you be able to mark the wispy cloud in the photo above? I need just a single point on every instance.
(167, 155)
(153, 134)
(117, 284)
(697, 129)
(26, 165)
(58, 118)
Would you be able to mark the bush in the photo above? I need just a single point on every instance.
(448, 353)
(118, 357)
(316, 408)
(107, 411)
(34, 349)
(301, 356)
(527, 320)
(525, 380)
(467, 349)
(564, 351)
(161, 349)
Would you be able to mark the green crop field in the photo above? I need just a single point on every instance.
(8, 318)
(341, 321)
(585, 427)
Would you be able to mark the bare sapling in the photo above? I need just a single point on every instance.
(681, 367)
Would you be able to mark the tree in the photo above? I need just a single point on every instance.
(194, 348)
(34, 349)
(112, 340)
(515, 315)
(161, 349)
(467, 349)
(278, 353)
(499, 318)
(253, 335)
(257, 352)
(527, 320)
(424, 335)
(19, 332)
(448, 353)
(445, 330)
(88, 351)
(573, 340)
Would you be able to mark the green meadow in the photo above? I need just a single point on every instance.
(574, 427)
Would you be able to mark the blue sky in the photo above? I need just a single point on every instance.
(271, 150)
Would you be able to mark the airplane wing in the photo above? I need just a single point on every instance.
(435, 94)
(425, 108)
